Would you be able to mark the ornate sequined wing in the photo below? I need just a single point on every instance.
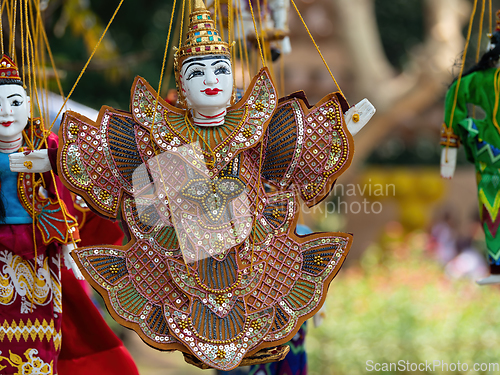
(244, 127)
(102, 161)
(308, 265)
(297, 271)
(134, 280)
(142, 105)
(309, 147)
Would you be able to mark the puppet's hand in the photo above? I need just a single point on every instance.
(358, 116)
(69, 262)
(448, 162)
(492, 279)
(30, 161)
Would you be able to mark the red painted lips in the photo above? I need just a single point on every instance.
(211, 91)
(6, 124)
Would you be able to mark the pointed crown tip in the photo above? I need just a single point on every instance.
(199, 4)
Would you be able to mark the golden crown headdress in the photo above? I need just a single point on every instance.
(9, 73)
(202, 38)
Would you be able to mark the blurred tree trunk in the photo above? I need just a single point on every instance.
(422, 82)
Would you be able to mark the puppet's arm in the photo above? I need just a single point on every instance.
(30, 162)
(455, 112)
(70, 263)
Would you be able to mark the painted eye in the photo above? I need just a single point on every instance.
(195, 73)
(16, 103)
(222, 70)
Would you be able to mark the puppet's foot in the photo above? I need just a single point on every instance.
(492, 279)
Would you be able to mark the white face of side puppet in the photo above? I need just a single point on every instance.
(14, 111)
(207, 83)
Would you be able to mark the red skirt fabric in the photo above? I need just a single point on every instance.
(99, 231)
(18, 238)
(89, 346)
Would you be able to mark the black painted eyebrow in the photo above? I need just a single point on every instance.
(194, 63)
(207, 57)
(10, 96)
(218, 61)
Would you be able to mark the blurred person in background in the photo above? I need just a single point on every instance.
(444, 239)
(469, 262)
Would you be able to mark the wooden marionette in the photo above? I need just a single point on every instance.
(48, 324)
(35, 230)
(479, 86)
(214, 267)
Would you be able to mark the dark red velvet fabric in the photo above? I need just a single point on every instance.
(18, 238)
(99, 231)
(89, 346)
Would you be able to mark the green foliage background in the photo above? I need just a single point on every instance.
(401, 306)
(137, 36)
(139, 32)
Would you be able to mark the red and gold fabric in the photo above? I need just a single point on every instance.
(30, 323)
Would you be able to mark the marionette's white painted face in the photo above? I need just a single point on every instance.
(207, 82)
(14, 111)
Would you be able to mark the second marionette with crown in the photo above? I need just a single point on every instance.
(209, 195)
